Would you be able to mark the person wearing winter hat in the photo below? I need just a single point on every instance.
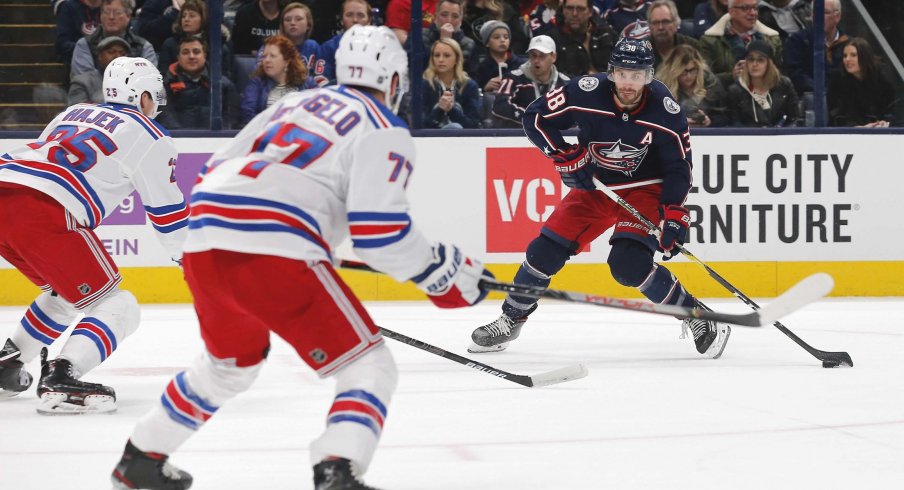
(499, 61)
(762, 96)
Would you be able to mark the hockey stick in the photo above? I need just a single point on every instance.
(799, 295)
(568, 373)
(829, 359)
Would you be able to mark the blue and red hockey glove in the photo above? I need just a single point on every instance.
(575, 167)
(452, 280)
(674, 221)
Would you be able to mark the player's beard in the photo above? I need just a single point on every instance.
(628, 97)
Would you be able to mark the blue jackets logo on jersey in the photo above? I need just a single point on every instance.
(618, 156)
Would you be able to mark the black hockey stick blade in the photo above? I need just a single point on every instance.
(829, 359)
(802, 293)
(556, 376)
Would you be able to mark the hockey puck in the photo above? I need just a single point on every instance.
(830, 364)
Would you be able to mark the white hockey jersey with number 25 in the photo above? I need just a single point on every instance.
(91, 156)
(313, 168)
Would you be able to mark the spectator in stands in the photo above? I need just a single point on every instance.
(697, 90)
(707, 13)
(860, 95)
(192, 21)
(87, 86)
(786, 16)
(115, 16)
(626, 12)
(155, 21)
(447, 24)
(724, 44)
(479, 12)
(762, 96)
(254, 22)
(663, 19)
(297, 24)
(451, 99)
(544, 18)
(187, 84)
(499, 60)
(280, 72)
(353, 12)
(798, 58)
(75, 19)
(398, 16)
(532, 79)
(583, 40)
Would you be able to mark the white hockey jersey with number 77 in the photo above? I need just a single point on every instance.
(313, 168)
(91, 156)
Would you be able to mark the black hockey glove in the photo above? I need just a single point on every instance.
(576, 167)
(674, 221)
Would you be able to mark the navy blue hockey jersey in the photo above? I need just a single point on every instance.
(647, 145)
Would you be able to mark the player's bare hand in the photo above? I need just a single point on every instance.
(446, 31)
(493, 85)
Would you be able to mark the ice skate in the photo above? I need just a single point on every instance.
(709, 337)
(337, 474)
(148, 471)
(62, 394)
(14, 379)
(496, 335)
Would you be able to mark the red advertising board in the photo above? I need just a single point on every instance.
(522, 190)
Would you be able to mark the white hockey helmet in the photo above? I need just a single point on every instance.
(125, 79)
(370, 56)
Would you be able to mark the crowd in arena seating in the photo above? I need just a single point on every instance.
(731, 63)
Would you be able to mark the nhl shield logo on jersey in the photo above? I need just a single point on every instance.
(671, 105)
(84, 288)
(587, 84)
(318, 355)
(618, 156)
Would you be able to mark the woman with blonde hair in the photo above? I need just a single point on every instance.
(451, 99)
(695, 87)
(761, 96)
(280, 72)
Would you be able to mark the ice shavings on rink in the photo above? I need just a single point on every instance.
(651, 415)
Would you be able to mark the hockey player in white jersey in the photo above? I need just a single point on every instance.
(316, 167)
(53, 193)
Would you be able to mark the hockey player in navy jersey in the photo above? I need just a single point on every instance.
(633, 138)
(53, 193)
(316, 167)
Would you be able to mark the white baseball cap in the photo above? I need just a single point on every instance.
(543, 44)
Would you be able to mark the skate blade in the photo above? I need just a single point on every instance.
(53, 403)
(718, 346)
(480, 349)
(4, 394)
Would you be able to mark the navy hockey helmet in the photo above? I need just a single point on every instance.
(632, 54)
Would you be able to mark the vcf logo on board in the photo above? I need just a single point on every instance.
(523, 189)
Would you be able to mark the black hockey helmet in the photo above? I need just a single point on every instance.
(632, 54)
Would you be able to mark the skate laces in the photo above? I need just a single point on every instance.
(170, 471)
(502, 326)
(693, 325)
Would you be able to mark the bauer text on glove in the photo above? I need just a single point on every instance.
(452, 280)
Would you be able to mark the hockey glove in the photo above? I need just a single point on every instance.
(674, 221)
(575, 167)
(452, 280)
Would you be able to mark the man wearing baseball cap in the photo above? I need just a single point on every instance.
(527, 82)
(88, 86)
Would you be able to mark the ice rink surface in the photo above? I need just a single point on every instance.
(651, 414)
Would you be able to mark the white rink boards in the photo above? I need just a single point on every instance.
(651, 414)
